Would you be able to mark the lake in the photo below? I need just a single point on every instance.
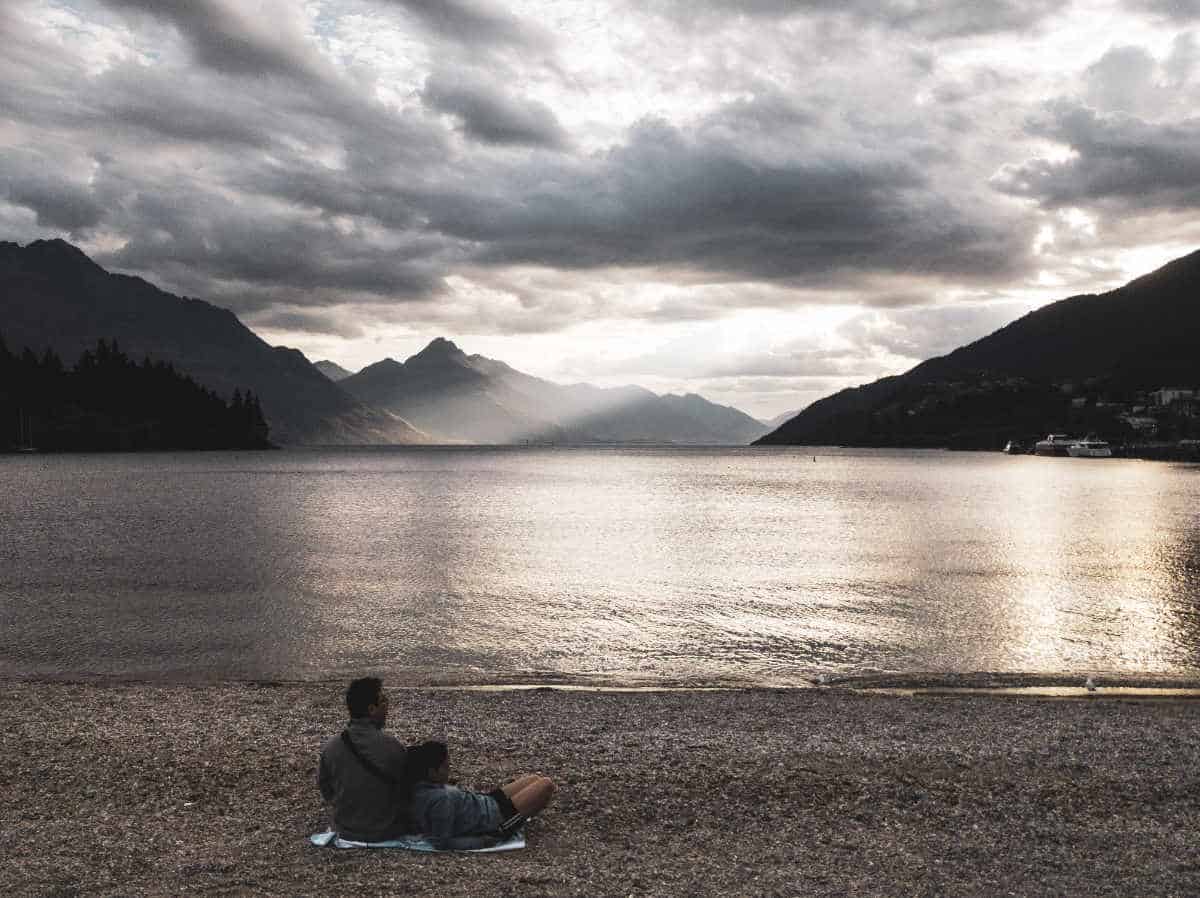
(640, 566)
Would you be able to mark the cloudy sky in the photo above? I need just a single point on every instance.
(758, 200)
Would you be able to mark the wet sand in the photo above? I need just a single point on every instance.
(164, 790)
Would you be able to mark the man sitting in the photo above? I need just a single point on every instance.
(362, 770)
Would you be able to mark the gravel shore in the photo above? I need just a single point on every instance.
(165, 790)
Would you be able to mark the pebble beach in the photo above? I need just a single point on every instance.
(160, 789)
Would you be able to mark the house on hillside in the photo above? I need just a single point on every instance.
(1168, 395)
(1143, 424)
(1186, 408)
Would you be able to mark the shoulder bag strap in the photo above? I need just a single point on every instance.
(366, 762)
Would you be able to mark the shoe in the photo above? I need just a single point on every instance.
(511, 825)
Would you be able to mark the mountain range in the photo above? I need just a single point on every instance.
(473, 399)
(1023, 378)
(55, 297)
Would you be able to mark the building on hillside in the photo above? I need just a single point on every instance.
(1143, 424)
(1186, 408)
(1167, 395)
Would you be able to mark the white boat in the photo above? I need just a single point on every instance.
(1090, 447)
(1014, 447)
(1054, 444)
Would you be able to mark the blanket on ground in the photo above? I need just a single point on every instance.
(413, 843)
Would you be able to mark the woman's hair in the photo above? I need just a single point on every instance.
(420, 759)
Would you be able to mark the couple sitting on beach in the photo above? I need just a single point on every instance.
(379, 789)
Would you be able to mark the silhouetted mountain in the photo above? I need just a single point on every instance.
(332, 370)
(1021, 379)
(457, 397)
(56, 297)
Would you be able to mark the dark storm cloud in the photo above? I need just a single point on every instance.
(1116, 158)
(184, 109)
(359, 192)
(193, 239)
(216, 183)
(56, 201)
(488, 114)
(288, 189)
(275, 255)
(308, 99)
(306, 321)
(209, 110)
(934, 19)
(473, 23)
(189, 168)
(125, 105)
(225, 40)
(691, 199)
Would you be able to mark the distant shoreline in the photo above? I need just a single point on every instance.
(1142, 452)
(979, 683)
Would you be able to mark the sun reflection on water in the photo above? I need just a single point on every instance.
(638, 565)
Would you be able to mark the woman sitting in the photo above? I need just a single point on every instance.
(451, 817)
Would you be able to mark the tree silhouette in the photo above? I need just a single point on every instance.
(108, 402)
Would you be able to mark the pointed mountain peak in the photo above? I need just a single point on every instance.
(439, 351)
(385, 364)
(61, 252)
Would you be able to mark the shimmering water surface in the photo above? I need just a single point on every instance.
(607, 565)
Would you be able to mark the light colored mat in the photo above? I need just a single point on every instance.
(412, 843)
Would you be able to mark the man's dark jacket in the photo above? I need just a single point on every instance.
(365, 807)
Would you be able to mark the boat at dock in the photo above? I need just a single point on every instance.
(1054, 444)
(1090, 447)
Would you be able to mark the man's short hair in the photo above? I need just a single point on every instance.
(361, 694)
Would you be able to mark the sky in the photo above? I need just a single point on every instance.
(762, 201)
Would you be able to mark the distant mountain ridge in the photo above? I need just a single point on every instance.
(781, 418)
(56, 297)
(471, 398)
(1138, 337)
(332, 370)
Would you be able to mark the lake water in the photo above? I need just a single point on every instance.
(595, 565)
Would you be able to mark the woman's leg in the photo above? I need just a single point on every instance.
(511, 789)
(534, 795)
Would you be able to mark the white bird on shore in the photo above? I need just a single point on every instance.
(1090, 684)
(822, 679)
